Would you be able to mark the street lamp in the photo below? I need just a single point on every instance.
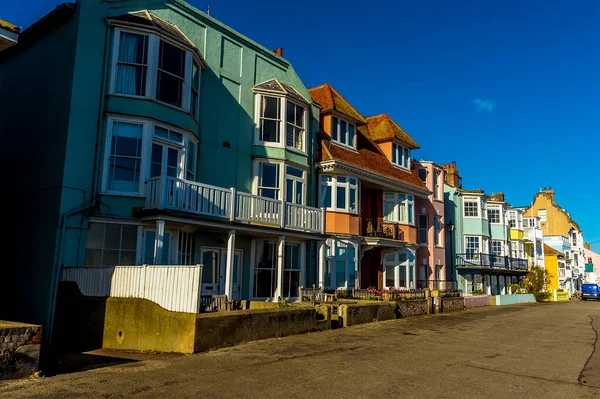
(450, 228)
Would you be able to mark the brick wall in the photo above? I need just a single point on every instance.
(19, 349)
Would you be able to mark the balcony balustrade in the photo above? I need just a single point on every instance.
(490, 261)
(171, 193)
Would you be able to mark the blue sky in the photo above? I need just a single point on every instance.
(508, 90)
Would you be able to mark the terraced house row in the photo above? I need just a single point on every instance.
(161, 136)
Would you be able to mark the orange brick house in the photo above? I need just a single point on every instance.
(368, 191)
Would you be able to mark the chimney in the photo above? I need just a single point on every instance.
(279, 51)
(586, 245)
(550, 193)
(452, 177)
(498, 197)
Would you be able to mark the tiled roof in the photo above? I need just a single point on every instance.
(548, 250)
(277, 87)
(10, 27)
(148, 19)
(382, 127)
(330, 99)
(368, 157)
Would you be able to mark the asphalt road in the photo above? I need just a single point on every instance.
(528, 351)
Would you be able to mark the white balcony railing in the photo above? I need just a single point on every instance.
(202, 199)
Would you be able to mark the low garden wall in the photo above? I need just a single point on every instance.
(476, 301)
(353, 314)
(452, 304)
(412, 308)
(562, 296)
(19, 349)
(514, 299)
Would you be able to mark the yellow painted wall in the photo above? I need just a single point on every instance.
(386, 147)
(551, 263)
(557, 223)
(516, 235)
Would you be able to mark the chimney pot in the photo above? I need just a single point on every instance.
(279, 51)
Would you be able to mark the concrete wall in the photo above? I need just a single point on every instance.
(452, 304)
(139, 324)
(476, 301)
(19, 349)
(514, 299)
(216, 330)
(350, 315)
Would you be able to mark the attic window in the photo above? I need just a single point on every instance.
(400, 156)
(276, 115)
(343, 132)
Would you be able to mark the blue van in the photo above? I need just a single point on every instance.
(589, 291)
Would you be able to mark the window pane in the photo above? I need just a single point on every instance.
(289, 190)
(394, 156)
(210, 262)
(127, 258)
(133, 48)
(389, 276)
(294, 171)
(270, 131)
(340, 273)
(129, 237)
(270, 107)
(111, 258)
(124, 174)
(402, 282)
(351, 135)
(353, 199)
(351, 275)
(341, 197)
(343, 132)
(290, 136)
(172, 162)
(131, 79)
(156, 163)
(269, 176)
(95, 236)
(299, 192)
(406, 156)
(269, 193)
(171, 59)
(334, 128)
(113, 236)
(326, 194)
(169, 89)
(161, 132)
(93, 257)
(290, 114)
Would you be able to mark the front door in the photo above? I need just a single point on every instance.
(213, 272)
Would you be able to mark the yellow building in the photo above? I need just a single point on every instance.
(555, 264)
(554, 220)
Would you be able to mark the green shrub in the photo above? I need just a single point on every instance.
(478, 292)
(542, 296)
(514, 288)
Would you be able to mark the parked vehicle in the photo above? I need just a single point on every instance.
(590, 291)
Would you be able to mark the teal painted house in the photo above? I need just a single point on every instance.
(158, 136)
(480, 249)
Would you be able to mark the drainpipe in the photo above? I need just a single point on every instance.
(57, 271)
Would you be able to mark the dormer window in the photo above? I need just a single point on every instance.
(271, 122)
(400, 156)
(343, 132)
(152, 66)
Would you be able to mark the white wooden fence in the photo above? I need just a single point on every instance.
(175, 288)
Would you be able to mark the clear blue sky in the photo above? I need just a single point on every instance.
(509, 90)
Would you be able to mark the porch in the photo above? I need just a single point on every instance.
(173, 194)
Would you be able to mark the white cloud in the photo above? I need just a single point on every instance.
(483, 105)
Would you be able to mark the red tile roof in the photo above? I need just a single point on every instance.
(382, 127)
(548, 250)
(368, 157)
(330, 99)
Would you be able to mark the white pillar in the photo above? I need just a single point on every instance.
(158, 241)
(321, 275)
(229, 264)
(280, 262)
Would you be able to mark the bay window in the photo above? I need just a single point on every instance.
(339, 193)
(111, 244)
(471, 207)
(398, 208)
(399, 269)
(472, 247)
(400, 156)
(343, 132)
(137, 149)
(342, 258)
(270, 122)
(494, 213)
(146, 65)
(273, 177)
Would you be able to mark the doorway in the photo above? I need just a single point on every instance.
(213, 272)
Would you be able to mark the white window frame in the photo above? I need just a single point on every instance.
(282, 122)
(477, 251)
(401, 156)
(148, 138)
(395, 265)
(334, 183)
(338, 132)
(152, 69)
(492, 252)
(495, 208)
(437, 195)
(478, 204)
(139, 237)
(282, 177)
(349, 262)
(409, 204)
(541, 213)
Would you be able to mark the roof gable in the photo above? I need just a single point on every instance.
(331, 100)
(275, 86)
(382, 127)
(548, 250)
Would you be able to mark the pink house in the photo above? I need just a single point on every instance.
(431, 255)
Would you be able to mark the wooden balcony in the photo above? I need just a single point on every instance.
(229, 204)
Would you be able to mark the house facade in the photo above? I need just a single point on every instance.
(563, 234)
(431, 252)
(174, 140)
(481, 245)
(554, 262)
(368, 192)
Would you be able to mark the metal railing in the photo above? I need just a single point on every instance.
(377, 227)
(163, 192)
(438, 284)
(480, 260)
